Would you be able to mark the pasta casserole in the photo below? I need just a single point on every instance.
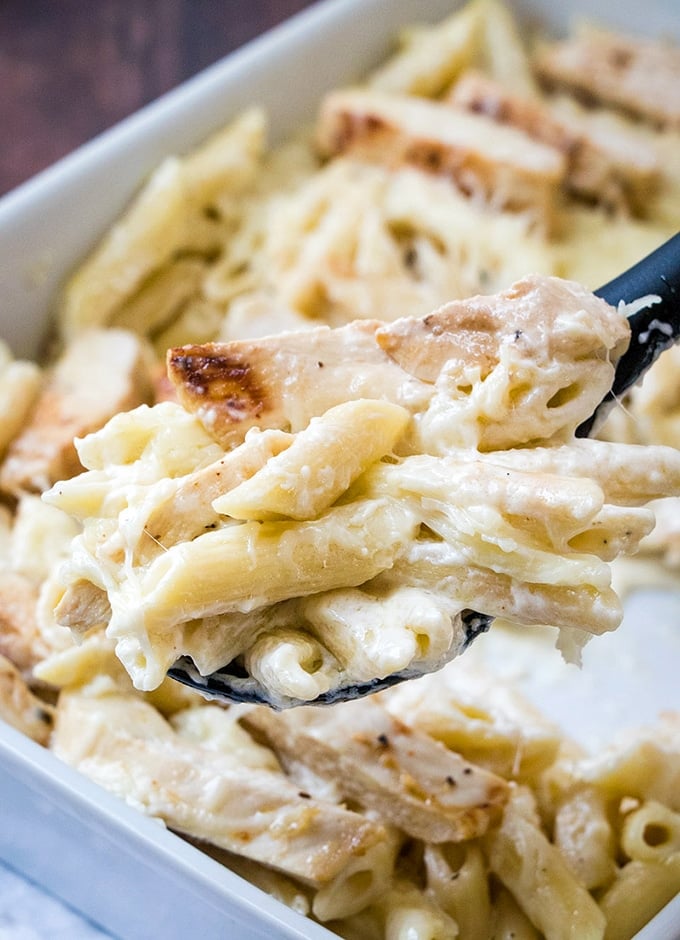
(341, 538)
(307, 424)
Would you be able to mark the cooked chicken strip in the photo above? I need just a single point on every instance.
(19, 387)
(604, 162)
(640, 76)
(477, 713)
(20, 639)
(550, 344)
(125, 745)
(20, 708)
(404, 775)
(283, 381)
(101, 373)
(83, 606)
(501, 166)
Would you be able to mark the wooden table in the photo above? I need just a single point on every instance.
(69, 69)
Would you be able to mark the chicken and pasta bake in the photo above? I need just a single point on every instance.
(309, 423)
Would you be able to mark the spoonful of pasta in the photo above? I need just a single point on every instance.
(325, 513)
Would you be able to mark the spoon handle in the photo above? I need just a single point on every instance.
(653, 329)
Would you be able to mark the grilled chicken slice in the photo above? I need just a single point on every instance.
(19, 387)
(126, 746)
(477, 713)
(20, 708)
(554, 343)
(501, 166)
(101, 373)
(283, 381)
(20, 639)
(402, 774)
(605, 162)
(639, 76)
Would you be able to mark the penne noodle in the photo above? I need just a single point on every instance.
(325, 458)
(456, 878)
(584, 836)
(307, 426)
(640, 890)
(539, 878)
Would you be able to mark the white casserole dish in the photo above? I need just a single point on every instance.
(56, 826)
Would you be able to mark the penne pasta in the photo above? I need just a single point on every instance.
(585, 838)
(534, 871)
(640, 890)
(325, 458)
(651, 833)
(308, 425)
(457, 880)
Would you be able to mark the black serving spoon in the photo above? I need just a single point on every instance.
(654, 328)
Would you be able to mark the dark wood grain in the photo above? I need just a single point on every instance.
(71, 68)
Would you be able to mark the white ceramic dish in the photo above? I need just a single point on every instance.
(56, 826)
